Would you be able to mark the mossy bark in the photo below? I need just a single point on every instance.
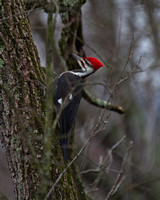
(21, 105)
(22, 112)
(71, 37)
(71, 41)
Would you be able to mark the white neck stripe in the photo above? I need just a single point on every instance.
(80, 74)
(83, 73)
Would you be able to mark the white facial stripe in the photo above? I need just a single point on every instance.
(84, 73)
(89, 70)
(80, 64)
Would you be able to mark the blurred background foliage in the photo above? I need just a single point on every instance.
(125, 36)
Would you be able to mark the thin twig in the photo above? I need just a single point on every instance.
(102, 163)
(24, 12)
(120, 176)
(72, 161)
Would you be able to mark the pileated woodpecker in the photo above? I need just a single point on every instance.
(68, 88)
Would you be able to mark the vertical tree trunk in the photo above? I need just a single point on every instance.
(21, 114)
(22, 109)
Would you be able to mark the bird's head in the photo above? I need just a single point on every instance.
(88, 63)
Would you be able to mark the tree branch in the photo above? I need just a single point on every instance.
(102, 103)
(48, 133)
(120, 176)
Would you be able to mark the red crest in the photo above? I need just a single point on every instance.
(94, 62)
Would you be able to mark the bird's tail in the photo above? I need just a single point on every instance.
(64, 145)
(65, 154)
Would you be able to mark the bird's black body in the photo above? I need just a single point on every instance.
(67, 95)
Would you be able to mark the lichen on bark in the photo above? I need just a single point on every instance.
(71, 36)
(20, 97)
(22, 110)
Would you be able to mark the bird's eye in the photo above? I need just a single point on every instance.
(87, 62)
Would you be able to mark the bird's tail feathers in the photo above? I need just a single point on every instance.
(64, 145)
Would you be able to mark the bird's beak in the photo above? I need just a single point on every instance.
(77, 57)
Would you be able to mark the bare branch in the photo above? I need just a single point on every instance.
(106, 162)
(121, 175)
(102, 103)
(74, 159)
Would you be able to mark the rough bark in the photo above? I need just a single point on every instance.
(71, 36)
(22, 109)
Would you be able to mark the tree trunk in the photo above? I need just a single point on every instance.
(22, 113)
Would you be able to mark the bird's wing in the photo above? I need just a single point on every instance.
(67, 96)
(69, 112)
